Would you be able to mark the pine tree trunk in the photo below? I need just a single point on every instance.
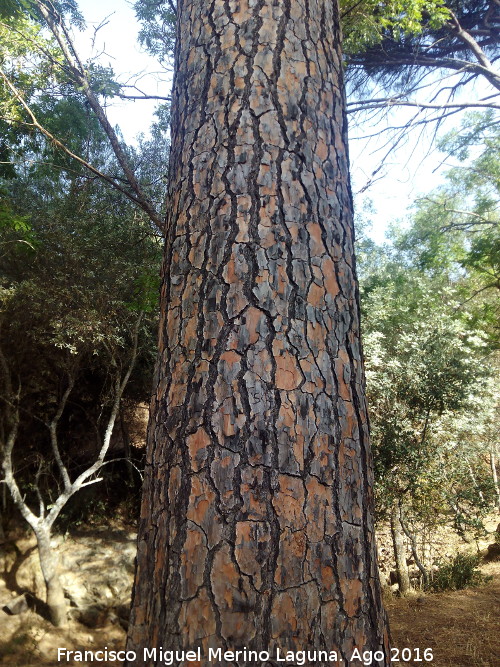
(399, 552)
(256, 528)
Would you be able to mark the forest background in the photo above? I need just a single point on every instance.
(81, 216)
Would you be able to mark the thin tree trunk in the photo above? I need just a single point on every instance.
(49, 563)
(126, 448)
(399, 551)
(494, 475)
(256, 525)
(414, 550)
(474, 481)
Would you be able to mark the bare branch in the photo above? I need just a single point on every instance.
(380, 103)
(84, 478)
(145, 96)
(92, 481)
(475, 48)
(457, 64)
(478, 291)
(128, 461)
(41, 504)
(9, 478)
(52, 426)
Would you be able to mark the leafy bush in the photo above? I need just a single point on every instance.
(458, 573)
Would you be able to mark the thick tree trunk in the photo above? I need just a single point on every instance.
(256, 527)
(399, 551)
(49, 563)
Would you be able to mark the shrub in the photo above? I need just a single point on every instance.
(458, 573)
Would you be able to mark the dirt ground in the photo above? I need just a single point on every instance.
(462, 628)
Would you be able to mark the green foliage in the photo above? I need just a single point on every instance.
(461, 572)
(422, 363)
(158, 27)
(369, 22)
(35, 67)
(30, 60)
(102, 80)
(430, 306)
(145, 292)
(365, 23)
(16, 8)
(78, 264)
(79, 290)
(431, 403)
(456, 228)
(9, 8)
(414, 70)
(79, 268)
(12, 222)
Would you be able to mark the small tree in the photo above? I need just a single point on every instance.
(73, 313)
(426, 375)
(42, 522)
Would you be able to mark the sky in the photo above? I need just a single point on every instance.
(112, 37)
(406, 173)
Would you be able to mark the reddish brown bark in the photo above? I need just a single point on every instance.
(256, 526)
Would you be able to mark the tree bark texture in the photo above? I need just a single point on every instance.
(49, 564)
(256, 527)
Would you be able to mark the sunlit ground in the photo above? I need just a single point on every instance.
(461, 628)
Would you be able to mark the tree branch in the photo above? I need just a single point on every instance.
(413, 545)
(8, 472)
(83, 478)
(380, 103)
(34, 123)
(474, 47)
(456, 64)
(56, 24)
(52, 426)
(41, 504)
(145, 96)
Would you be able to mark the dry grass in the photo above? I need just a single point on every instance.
(462, 627)
(29, 641)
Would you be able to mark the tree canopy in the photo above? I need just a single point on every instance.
(430, 305)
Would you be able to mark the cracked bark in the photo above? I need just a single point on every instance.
(256, 526)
